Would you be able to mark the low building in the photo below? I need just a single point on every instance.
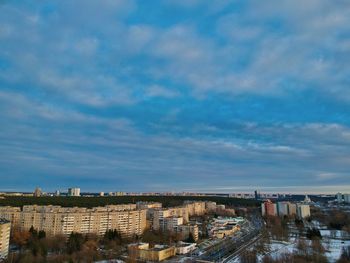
(183, 248)
(225, 231)
(5, 229)
(225, 226)
(143, 251)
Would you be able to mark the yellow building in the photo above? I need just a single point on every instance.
(195, 208)
(5, 228)
(225, 231)
(142, 251)
(159, 215)
(186, 230)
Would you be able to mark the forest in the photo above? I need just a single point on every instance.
(167, 201)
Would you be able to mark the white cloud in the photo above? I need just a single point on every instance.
(160, 91)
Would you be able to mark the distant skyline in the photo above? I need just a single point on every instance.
(175, 95)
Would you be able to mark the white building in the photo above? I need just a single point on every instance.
(5, 227)
(220, 207)
(185, 248)
(307, 199)
(210, 206)
(339, 197)
(282, 208)
(170, 223)
(303, 211)
(347, 198)
(73, 191)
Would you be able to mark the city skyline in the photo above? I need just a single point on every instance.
(175, 95)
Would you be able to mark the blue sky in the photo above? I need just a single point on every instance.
(175, 95)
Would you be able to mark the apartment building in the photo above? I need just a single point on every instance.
(186, 230)
(210, 206)
(148, 205)
(195, 208)
(170, 223)
(56, 220)
(292, 209)
(347, 198)
(303, 211)
(5, 227)
(12, 214)
(283, 208)
(268, 208)
(159, 215)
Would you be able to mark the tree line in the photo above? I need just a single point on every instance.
(167, 201)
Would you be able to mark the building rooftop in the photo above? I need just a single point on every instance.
(4, 221)
(184, 244)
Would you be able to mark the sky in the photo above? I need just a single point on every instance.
(175, 95)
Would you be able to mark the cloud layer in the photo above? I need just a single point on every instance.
(175, 95)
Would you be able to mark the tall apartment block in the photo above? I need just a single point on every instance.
(303, 211)
(286, 209)
(5, 227)
(268, 208)
(54, 220)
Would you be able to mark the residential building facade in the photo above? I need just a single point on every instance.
(5, 229)
(55, 220)
(303, 211)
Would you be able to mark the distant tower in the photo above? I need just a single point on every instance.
(256, 195)
(307, 199)
(73, 191)
(37, 192)
(339, 197)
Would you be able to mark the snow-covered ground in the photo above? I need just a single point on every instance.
(278, 248)
(333, 244)
(332, 240)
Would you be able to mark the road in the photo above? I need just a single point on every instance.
(230, 247)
